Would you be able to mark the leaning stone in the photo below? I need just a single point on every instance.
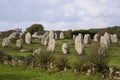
(5, 42)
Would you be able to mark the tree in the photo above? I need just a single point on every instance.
(35, 28)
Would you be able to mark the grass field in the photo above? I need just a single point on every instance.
(24, 73)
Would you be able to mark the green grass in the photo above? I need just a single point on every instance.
(21, 73)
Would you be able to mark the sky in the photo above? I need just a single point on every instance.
(59, 14)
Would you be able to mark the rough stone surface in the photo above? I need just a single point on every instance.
(28, 38)
(114, 38)
(13, 35)
(5, 42)
(51, 35)
(87, 39)
(19, 43)
(56, 37)
(62, 36)
(44, 41)
(51, 45)
(96, 38)
(38, 51)
(79, 45)
(65, 48)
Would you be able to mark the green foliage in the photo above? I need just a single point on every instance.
(68, 34)
(41, 60)
(7, 33)
(61, 63)
(35, 28)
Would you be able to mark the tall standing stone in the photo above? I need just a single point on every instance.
(19, 43)
(62, 36)
(51, 45)
(52, 42)
(79, 45)
(51, 35)
(87, 39)
(5, 42)
(65, 48)
(103, 46)
(28, 38)
(107, 39)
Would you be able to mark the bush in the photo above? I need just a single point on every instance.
(97, 61)
(4, 57)
(62, 63)
(80, 64)
(42, 60)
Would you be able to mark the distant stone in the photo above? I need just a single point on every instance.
(62, 36)
(87, 39)
(74, 36)
(65, 48)
(28, 38)
(19, 43)
(114, 38)
(5, 42)
(96, 38)
(56, 37)
(44, 41)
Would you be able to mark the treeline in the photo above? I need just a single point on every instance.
(69, 33)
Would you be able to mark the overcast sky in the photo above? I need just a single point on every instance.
(59, 14)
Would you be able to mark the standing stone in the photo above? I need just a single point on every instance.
(19, 43)
(51, 45)
(21, 35)
(65, 48)
(62, 35)
(87, 39)
(56, 37)
(5, 42)
(44, 40)
(114, 38)
(79, 46)
(102, 48)
(51, 35)
(107, 39)
(96, 37)
(74, 36)
(28, 38)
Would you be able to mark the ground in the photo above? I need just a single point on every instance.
(8, 72)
